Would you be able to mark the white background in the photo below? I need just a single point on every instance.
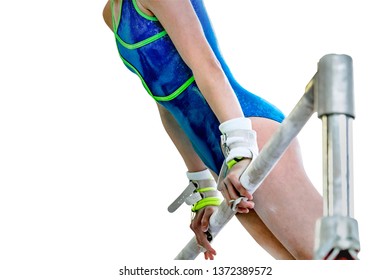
(87, 172)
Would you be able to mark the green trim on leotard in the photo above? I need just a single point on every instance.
(115, 24)
(169, 97)
(141, 43)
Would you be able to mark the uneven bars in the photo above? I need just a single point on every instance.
(260, 167)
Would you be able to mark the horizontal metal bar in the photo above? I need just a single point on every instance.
(260, 167)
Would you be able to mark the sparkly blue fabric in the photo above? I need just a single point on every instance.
(158, 63)
(163, 71)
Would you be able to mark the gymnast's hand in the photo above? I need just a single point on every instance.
(199, 226)
(232, 189)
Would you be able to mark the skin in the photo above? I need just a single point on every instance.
(281, 214)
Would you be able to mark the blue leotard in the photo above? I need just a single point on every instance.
(147, 51)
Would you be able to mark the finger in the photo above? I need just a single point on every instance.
(225, 192)
(205, 244)
(201, 237)
(242, 210)
(203, 240)
(240, 204)
(246, 204)
(208, 211)
(232, 194)
(235, 182)
(243, 206)
(209, 256)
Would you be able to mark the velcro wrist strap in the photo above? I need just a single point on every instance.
(209, 195)
(200, 192)
(233, 161)
(239, 144)
(193, 198)
(208, 201)
(238, 140)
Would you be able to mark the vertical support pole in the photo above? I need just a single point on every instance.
(337, 232)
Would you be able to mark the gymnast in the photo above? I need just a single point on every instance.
(217, 126)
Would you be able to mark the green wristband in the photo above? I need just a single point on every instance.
(233, 161)
(208, 201)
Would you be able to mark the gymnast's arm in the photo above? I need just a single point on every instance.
(200, 223)
(183, 26)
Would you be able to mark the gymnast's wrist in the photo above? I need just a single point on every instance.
(238, 140)
(235, 124)
(206, 190)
